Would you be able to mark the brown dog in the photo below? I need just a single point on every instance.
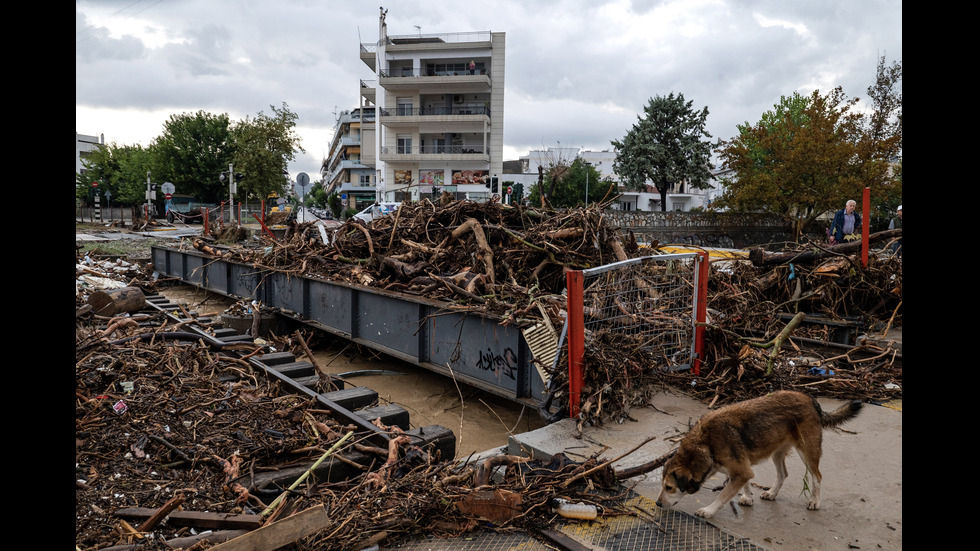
(734, 438)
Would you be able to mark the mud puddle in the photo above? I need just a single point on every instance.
(480, 420)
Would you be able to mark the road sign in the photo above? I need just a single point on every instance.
(168, 196)
(510, 190)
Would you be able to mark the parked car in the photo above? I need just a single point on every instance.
(377, 210)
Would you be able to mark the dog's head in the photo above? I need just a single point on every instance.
(684, 473)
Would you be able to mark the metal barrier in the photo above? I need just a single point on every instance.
(659, 300)
(467, 346)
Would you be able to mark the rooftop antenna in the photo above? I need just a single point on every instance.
(419, 29)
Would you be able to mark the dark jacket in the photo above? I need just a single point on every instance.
(837, 227)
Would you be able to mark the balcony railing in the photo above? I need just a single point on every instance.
(435, 149)
(406, 72)
(434, 111)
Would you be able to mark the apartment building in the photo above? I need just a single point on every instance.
(439, 106)
(348, 168)
(84, 146)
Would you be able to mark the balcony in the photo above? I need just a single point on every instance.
(460, 80)
(419, 115)
(472, 153)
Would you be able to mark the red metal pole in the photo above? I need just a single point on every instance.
(867, 224)
(701, 315)
(576, 339)
(264, 228)
(206, 213)
(262, 221)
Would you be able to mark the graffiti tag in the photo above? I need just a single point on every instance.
(505, 364)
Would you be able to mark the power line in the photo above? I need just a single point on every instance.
(102, 23)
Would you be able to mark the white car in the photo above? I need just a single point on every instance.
(377, 210)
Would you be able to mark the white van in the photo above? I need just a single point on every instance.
(377, 210)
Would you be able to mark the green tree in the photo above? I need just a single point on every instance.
(568, 185)
(120, 170)
(317, 197)
(333, 203)
(264, 146)
(797, 165)
(811, 154)
(666, 146)
(192, 152)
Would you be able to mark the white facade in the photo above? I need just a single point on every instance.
(85, 144)
(439, 102)
(682, 198)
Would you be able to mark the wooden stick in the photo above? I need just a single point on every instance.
(272, 506)
(606, 464)
(161, 513)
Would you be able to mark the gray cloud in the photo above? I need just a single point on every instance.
(578, 71)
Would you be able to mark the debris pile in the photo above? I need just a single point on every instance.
(511, 262)
(169, 428)
(171, 435)
(495, 258)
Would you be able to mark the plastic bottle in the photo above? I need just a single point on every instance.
(577, 510)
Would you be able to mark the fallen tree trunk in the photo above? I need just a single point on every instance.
(760, 258)
(117, 301)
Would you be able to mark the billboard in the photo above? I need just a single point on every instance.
(464, 177)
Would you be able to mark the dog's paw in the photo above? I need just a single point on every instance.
(745, 501)
(768, 495)
(813, 505)
(704, 512)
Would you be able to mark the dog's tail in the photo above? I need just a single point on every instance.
(839, 415)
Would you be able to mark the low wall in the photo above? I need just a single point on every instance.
(705, 229)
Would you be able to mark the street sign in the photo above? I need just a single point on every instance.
(168, 196)
(510, 190)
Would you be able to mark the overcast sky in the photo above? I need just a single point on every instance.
(578, 72)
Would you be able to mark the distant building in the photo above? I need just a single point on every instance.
(438, 101)
(84, 146)
(348, 169)
(680, 198)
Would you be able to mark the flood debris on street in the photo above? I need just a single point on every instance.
(171, 433)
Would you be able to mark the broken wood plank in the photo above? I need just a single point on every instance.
(281, 532)
(213, 521)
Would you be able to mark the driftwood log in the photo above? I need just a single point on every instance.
(117, 301)
(760, 258)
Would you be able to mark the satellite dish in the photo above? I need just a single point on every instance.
(167, 187)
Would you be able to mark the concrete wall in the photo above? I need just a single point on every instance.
(706, 229)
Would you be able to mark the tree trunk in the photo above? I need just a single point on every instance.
(117, 301)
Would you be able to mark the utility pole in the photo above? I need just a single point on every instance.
(587, 166)
(232, 188)
(231, 193)
(149, 196)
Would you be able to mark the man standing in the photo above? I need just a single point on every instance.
(896, 224)
(846, 225)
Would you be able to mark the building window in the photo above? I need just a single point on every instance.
(404, 143)
(404, 106)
